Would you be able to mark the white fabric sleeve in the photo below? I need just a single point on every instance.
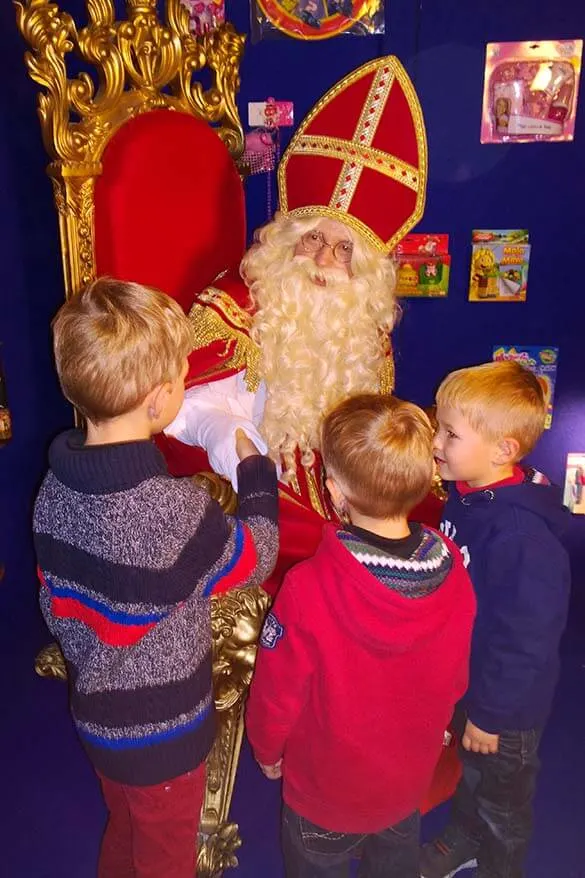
(210, 416)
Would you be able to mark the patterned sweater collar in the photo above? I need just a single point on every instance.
(415, 577)
(103, 469)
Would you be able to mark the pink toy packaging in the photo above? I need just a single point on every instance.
(530, 91)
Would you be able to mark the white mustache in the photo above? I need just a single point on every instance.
(326, 275)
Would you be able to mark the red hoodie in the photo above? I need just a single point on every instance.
(355, 686)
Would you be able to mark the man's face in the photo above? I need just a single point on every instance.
(329, 246)
(462, 454)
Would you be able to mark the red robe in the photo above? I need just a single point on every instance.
(221, 319)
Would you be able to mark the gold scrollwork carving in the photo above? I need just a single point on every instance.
(217, 853)
(220, 489)
(141, 64)
(236, 620)
(50, 663)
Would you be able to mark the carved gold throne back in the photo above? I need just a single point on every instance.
(143, 165)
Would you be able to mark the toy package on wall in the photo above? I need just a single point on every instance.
(540, 360)
(271, 113)
(423, 265)
(530, 91)
(262, 146)
(316, 19)
(499, 265)
(574, 494)
(205, 15)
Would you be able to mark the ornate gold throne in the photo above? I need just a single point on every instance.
(143, 166)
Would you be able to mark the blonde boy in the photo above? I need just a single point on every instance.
(128, 558)
(507, 521)
(364, 655)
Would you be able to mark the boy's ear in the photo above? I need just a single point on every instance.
(335, 491)
(508, 450)
(155, 400)
(338, 499)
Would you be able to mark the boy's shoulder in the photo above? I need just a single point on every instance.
(142, 495)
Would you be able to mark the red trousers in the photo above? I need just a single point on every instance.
(152, 831)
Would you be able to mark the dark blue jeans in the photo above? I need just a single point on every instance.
(493, 803)
(313, 852)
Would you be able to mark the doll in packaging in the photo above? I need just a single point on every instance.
(530, 91)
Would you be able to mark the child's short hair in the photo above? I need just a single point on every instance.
(379, 449)
(498, 400)
(114, 342)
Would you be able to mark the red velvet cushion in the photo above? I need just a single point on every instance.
(169, 205)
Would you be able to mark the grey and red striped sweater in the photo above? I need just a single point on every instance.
(128, 558)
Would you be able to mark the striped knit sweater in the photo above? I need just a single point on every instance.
(128, 558)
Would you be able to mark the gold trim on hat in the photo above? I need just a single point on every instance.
(366, 156)
(376, 101)
(366, 128)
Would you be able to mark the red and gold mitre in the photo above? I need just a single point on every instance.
(360, 156)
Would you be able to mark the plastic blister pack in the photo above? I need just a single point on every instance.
(530, 91)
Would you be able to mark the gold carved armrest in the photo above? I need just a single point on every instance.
(236, 621)
(220, 489)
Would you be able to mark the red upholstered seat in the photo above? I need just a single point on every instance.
(169, 205)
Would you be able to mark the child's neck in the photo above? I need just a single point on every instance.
(390, 528)
(126, 428)
(493, 476)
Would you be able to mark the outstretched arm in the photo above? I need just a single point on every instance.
(210, 416)
(253, 545)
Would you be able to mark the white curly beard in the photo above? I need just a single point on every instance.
(320, 342)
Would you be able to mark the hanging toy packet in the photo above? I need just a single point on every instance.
(204, 15)
(262, 148)
(530, 91)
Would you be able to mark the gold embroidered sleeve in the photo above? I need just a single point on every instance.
(216, 317)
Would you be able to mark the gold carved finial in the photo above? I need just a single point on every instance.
(140, 64)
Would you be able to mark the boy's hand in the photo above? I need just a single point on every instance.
(478, 741)
(244, 446)
(272, 772)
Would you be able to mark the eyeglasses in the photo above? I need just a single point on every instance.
(314, 241)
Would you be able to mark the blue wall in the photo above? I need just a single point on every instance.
(536, 186)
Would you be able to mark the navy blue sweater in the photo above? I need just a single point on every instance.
(520, 571)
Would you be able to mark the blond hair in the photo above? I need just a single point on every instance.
(498, 400)
(316, 347)
(114, 342)
(379, 450)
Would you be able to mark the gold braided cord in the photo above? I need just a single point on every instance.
(314, 495)
(387, 376)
